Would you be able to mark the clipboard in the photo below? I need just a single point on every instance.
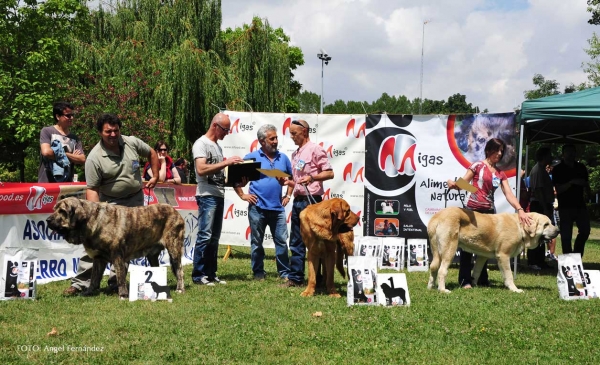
(273, 173)
(464, 185)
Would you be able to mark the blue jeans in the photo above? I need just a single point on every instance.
(259, 219)
(210, 222)
(581, 218)
(297, 247)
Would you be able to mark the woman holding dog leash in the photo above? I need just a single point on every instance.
(486, 177)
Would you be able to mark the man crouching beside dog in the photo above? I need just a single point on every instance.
(113, 175)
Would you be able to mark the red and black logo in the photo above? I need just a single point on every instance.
(390, 171)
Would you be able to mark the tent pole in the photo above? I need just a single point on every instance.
(519, 167)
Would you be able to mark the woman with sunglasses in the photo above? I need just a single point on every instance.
(167, 173)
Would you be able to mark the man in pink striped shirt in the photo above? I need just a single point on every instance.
(310, 167)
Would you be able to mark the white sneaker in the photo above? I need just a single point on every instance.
(218, 281)
(204, 281)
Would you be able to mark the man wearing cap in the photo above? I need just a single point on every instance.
(310, 167)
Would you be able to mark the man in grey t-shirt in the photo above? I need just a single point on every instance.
(63, 113)
(210, 192)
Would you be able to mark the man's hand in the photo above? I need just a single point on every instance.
(152, 182)
(233, 160)
(250, 198)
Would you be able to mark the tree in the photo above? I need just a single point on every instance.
(33, 35)
(594, 9)
(592, 68)
(544, 88)
(308, 102)
(457, 104)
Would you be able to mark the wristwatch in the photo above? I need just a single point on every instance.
(311, 178)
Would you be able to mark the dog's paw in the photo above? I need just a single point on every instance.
(307, 293)
(517, 290)
(445, 291)
(123, 298)
(181, 291)
(335, 295)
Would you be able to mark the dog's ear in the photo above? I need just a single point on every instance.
(532, 228)
(336, 209)
(78, 212)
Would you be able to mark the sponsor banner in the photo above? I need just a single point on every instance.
(410, 158)
(342, 137)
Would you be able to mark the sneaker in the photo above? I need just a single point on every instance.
(291, 284)
(216, 280)
(259, 277)
(71, 291)
(534, 267)
(204, 281)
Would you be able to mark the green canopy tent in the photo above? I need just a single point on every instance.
(564, 118)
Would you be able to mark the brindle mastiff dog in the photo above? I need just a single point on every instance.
(499, 236)
(117, 234)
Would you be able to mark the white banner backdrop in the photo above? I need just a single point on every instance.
(342, 136)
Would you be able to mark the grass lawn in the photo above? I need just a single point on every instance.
(250, 322)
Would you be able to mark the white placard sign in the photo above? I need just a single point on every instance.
(148, 283)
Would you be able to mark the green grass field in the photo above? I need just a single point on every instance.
(250, 322)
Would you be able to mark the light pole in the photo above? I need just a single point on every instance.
(421, 83)
(325, 58)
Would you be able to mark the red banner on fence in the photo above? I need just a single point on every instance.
(34, 198)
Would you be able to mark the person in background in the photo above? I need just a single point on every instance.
(210, 195)
(486, 177)
(60, 149)
(541, 199)
(551, 252)
(167, 172)
(571, 181)
(310, 167)
(266, 206)
(182, 169)
(113, 175)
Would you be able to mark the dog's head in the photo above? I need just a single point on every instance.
(68, 214)
(540, 231)
(566, 271)
(343, 219)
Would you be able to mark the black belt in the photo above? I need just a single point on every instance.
(303, 198)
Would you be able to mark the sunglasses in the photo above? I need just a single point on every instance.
(226, 130)
(163, 149)
(68, 115)
(295, 122)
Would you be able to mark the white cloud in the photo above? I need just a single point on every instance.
(488, 50)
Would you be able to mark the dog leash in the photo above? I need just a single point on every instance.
(446, 199)
(311, 199)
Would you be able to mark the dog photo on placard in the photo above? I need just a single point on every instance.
(18, 276)
(392, 290)
(570, 278)
(417, 254)
(362, 281)
(392, 253)
(368, 246)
